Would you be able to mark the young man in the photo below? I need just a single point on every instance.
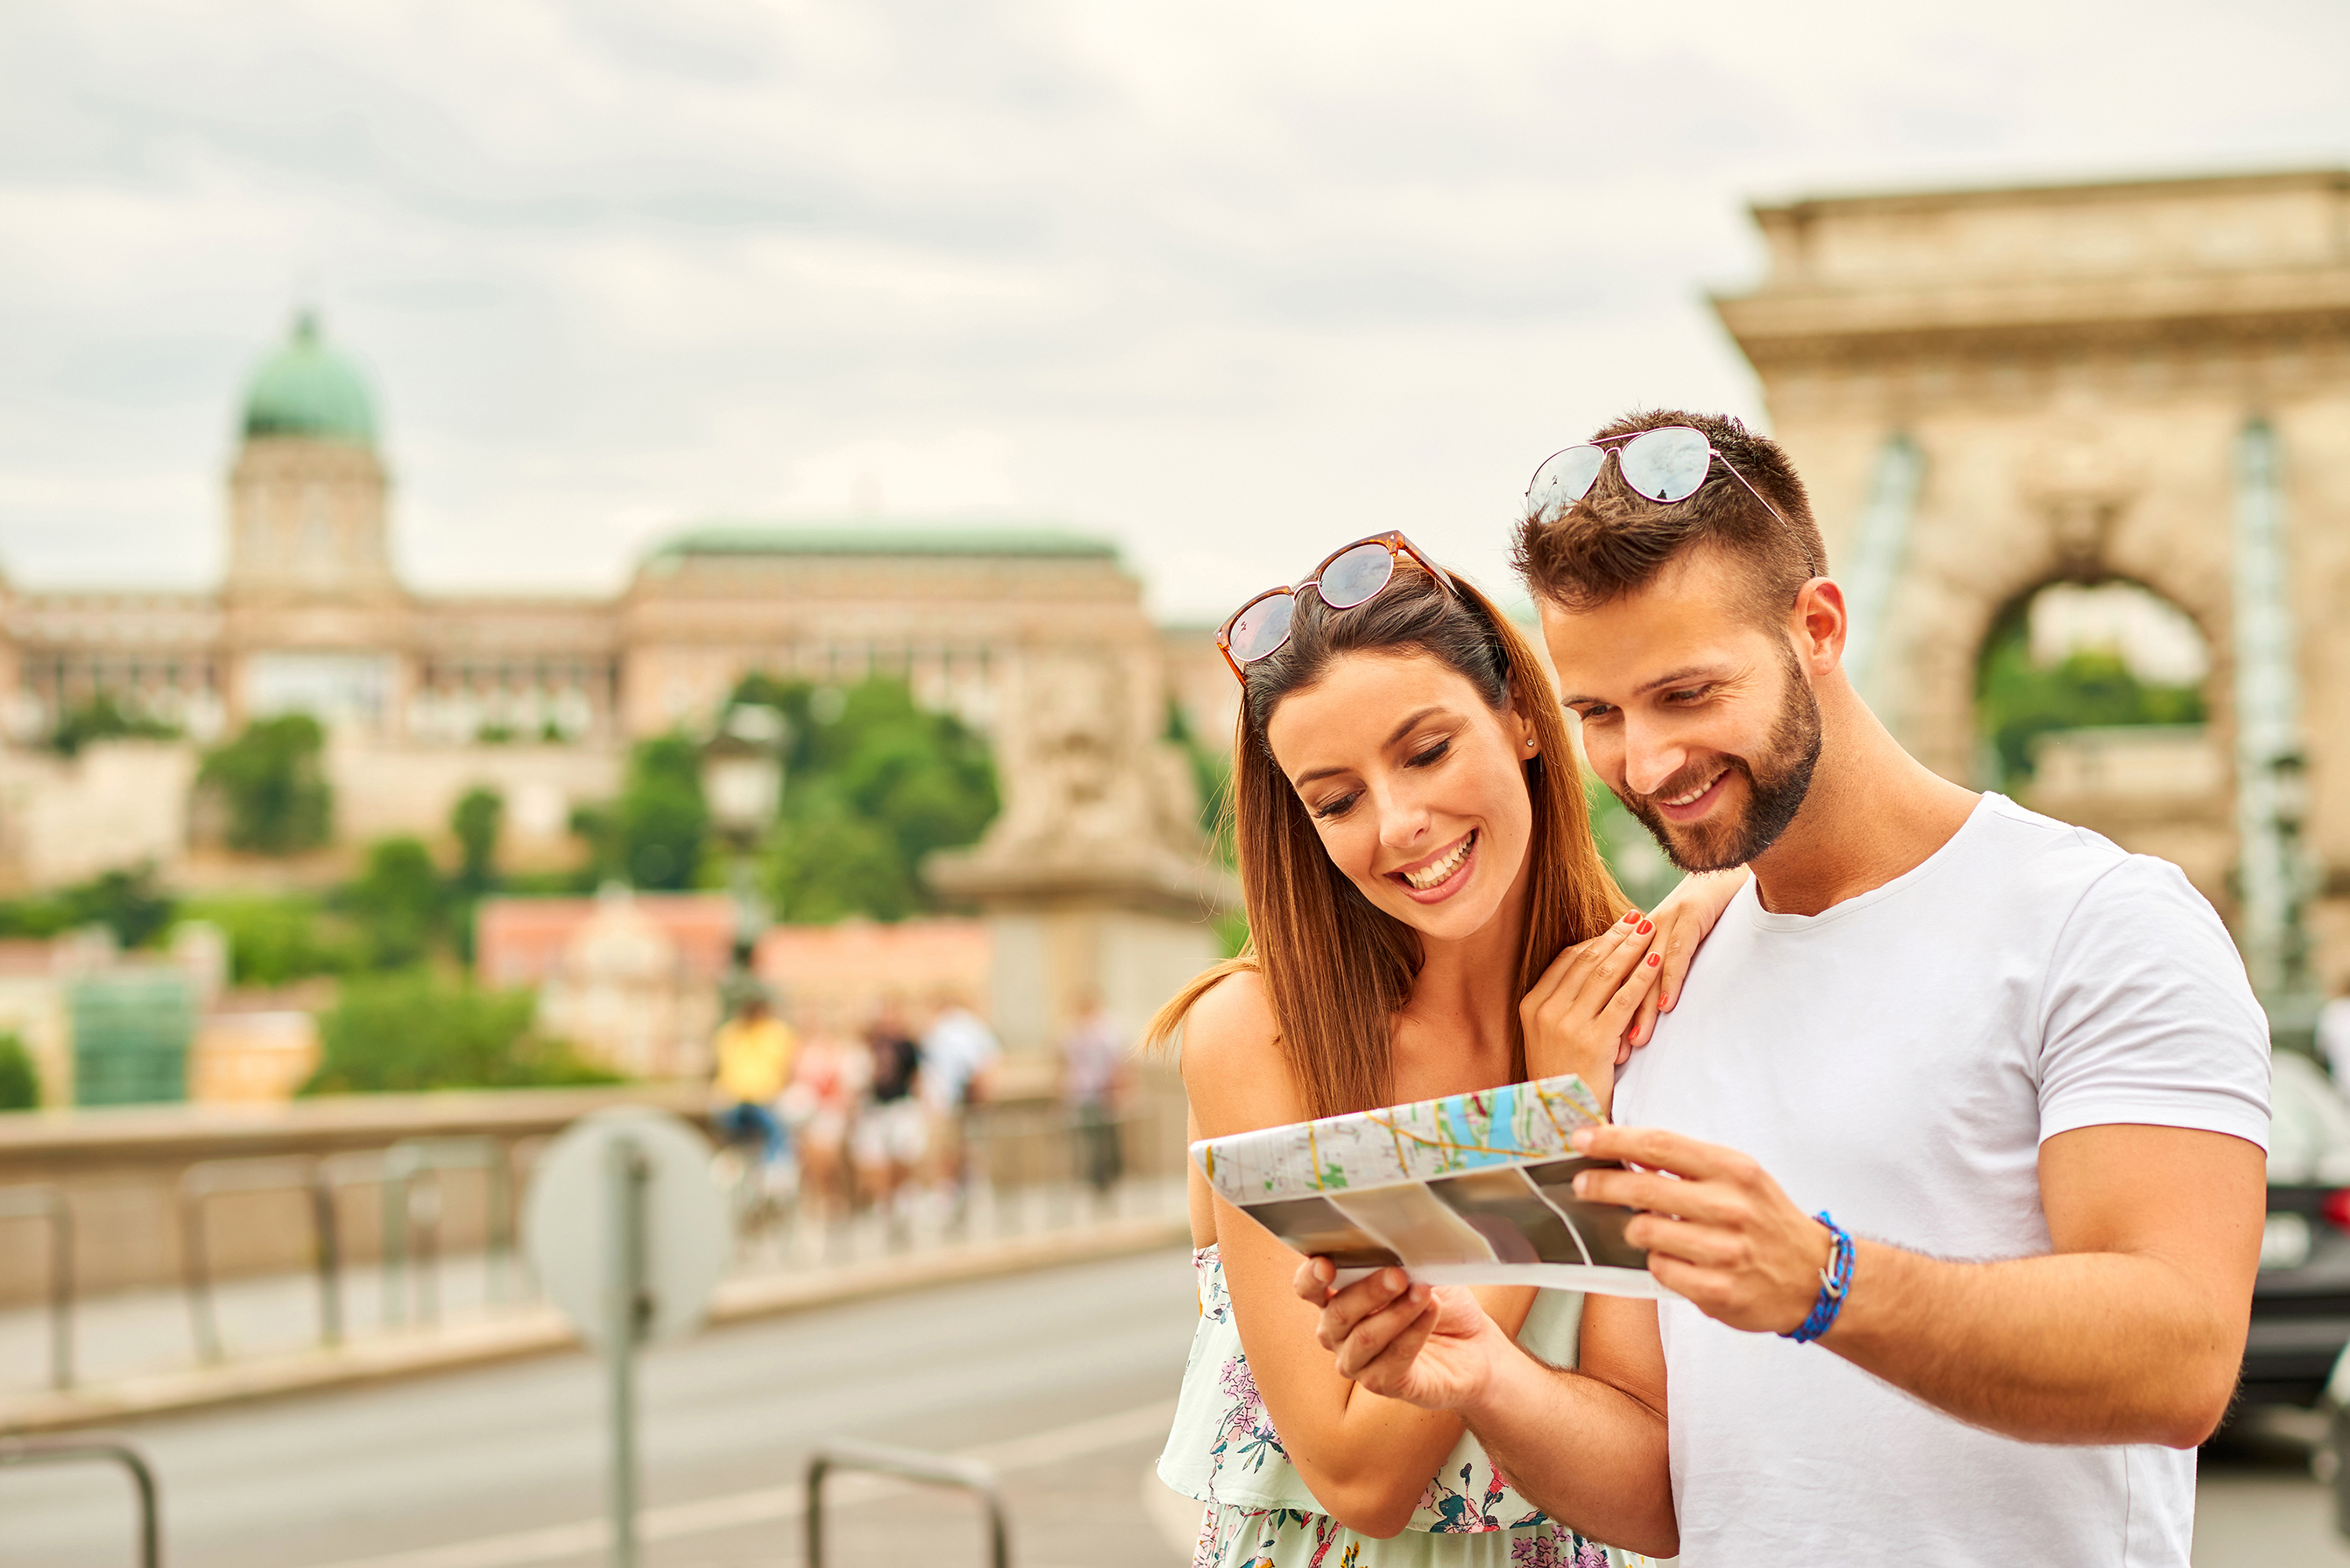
(2020, 1069)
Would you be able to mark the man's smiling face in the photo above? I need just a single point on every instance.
(1695, 715)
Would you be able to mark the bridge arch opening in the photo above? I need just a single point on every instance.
(2093, 704)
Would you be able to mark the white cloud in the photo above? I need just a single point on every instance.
(1222, 280)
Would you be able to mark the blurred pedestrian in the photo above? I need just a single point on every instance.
(1093, 1081)
(893, 1129)
(754, 1051)
(959, 1056)
(828, 1080)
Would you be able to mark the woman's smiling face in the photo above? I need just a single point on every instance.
(1416, 787)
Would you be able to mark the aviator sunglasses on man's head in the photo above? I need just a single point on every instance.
(1349, 576)
(1665, 465)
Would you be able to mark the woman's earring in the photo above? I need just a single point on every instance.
(1530, 745)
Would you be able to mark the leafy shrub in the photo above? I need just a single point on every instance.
(662, 819)
(475, 820)
(1212, 778)
(130, 903)
(276, 940)
(873, 783)
(652, 835)
(412, 1031)
(104, 718)
(20, 1087)
(271, 784)
(2017, 702)
(396, 902)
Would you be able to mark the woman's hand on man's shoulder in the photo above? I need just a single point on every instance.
(1579, 1014)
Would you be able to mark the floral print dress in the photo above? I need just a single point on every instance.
(1259, 1514)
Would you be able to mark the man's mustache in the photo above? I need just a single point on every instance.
(1687, 778)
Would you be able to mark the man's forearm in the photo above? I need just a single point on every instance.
(2078, 1347)
(1582, 1450)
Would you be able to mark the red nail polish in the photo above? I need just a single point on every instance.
(1631, 917)
(1656, 959)
(1647, 926)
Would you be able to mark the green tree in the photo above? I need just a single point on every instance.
(660, 823)
(1212, 776)
(410, 1031)
(479, 814)
(274, 940)
(130, 903)
(397, 902)
(475, 821)
(20, 1087)
(104, 718)
(824, 863)
(2017, 701)
(271, 784)
(873, 784)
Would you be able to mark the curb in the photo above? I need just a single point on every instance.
(542, 1331)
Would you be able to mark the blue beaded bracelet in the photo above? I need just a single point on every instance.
(1836, 1283)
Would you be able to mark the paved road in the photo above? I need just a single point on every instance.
(1064, 1378)
(1067, 1377)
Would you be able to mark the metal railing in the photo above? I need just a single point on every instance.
(410, 1174)
(99, 1448)
(296, 1173)
(908, 1464)
(38, 1200)
(1053, 1146)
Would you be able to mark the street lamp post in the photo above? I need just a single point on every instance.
(743, 780)
(2272, 870)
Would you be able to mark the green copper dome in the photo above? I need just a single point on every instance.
(305, 388)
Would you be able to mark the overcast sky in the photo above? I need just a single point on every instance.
(1227, 283)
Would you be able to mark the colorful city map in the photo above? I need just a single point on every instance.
(1517, 1124)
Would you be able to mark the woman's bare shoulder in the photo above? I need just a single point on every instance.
(1233, 1066)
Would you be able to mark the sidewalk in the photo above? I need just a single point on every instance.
(135, 1354)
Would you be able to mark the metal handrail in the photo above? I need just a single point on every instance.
(992, 1129)
(98, 1446)
(293, 1174)
(404, 1163)
(934, 1469)
(38, 1200)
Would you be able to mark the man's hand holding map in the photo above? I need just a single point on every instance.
(1470, 1190)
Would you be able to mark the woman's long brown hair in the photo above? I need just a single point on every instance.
(1335, 967)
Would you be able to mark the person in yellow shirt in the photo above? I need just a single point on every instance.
(754, 1050)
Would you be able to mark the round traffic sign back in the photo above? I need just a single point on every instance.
(570, 1220)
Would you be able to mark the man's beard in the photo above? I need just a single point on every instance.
(1776, 783)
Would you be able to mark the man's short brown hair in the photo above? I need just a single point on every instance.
(1614, 540)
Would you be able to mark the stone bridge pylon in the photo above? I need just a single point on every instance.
(1990, 391)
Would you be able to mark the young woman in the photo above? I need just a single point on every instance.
(1428, 915)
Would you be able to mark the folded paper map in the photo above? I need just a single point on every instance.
(1471, 1189)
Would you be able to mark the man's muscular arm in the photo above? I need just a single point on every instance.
(2131, 1331)
(1586, 1447)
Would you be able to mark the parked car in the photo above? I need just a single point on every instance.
(2301, 1302)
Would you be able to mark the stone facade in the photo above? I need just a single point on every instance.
(1991, 391)
(426, 697)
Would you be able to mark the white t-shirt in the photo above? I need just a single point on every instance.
(1897, 1060)
(956, 1049)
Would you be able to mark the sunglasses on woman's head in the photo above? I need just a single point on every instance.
(1349, 576)
(1665, 465)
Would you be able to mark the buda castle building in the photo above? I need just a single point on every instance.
(426, 696)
